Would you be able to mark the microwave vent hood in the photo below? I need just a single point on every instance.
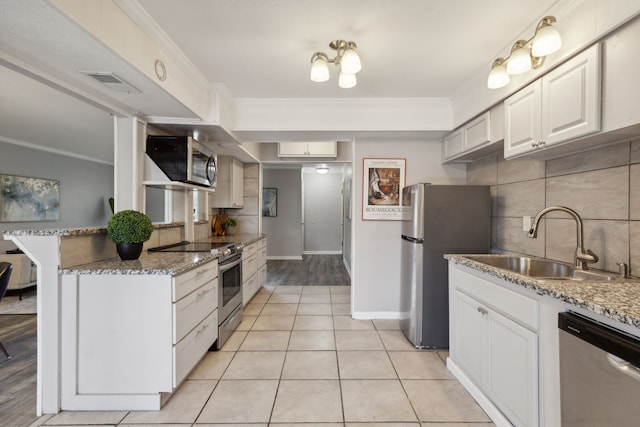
(179, 159)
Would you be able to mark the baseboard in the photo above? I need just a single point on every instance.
(322, 252)
(347, 267)
(367, 315)
(293, 257)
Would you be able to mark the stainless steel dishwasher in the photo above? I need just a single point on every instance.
(599, 374)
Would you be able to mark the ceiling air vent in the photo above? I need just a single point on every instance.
(112, 81)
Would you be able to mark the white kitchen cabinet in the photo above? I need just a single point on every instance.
(476, 138)
(128, 338)
(230, 187)
(308, 149)
(494, 344)
(249, 272)
(562, 106)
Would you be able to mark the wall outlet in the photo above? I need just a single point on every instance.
(526, 223)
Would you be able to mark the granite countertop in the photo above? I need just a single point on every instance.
(153, 263)
(617, 300)
(159, 263)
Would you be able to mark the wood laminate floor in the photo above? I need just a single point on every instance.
(318, 270)
(18, 374)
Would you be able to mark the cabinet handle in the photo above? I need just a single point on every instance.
(202, 329)
(541, 143)
(482, 310)
(534, 144)
(201, 294)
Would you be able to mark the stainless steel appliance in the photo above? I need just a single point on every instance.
(599, 374)
(229, 281)
(183, 159)
(442, 219)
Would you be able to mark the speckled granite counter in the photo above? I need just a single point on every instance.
(245, 238)
(157, 263)
(619, 301)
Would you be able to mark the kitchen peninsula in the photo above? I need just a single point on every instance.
(130, 331)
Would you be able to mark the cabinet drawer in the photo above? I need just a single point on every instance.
(188, 352)
(262, 243)
(510, 303)
(249, 267)
(186, 283)
(249, 288)
(250, 250)
(262, 256)
(190, 310)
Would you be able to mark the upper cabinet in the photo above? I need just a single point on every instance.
(308, 149)
(562, 106)
(475, 138)
(230, 187)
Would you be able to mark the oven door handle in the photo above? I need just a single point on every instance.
(224, 267)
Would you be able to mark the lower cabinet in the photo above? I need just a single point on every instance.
(128, 339)
(254, 268)
(494, 345)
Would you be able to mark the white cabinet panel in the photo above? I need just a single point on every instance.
(308, 149)
(230, 187)
(522, 120)
(470, 337)
(494, 342)
(562, 106)
(571, 98)
(478, 131)
(512, 373)
(476, 138)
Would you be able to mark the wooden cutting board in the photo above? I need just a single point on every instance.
(217, 229)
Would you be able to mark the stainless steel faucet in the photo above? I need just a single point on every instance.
(581, 257)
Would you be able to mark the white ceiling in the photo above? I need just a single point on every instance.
(409, 48)
(257, 48)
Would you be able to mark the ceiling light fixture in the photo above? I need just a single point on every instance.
(346, 59)
(526, 54)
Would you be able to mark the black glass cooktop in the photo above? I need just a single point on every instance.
(192, 247)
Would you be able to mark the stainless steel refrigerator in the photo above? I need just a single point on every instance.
(441, 219)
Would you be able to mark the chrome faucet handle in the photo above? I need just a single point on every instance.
(622, 270)
(583, 257)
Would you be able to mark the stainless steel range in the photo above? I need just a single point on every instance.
(229, 281)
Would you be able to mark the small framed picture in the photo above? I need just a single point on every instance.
(383, 181)
(269, 202)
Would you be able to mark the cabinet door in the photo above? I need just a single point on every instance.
(292, 149)
(512, 372)
(522, 120)
(571, 98)
(453, 144)
(469, 337)
(237, 183)
(477, 131)
(322, 149)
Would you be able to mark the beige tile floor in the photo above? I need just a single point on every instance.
(299, 358)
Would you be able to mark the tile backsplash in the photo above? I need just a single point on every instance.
(602, 185)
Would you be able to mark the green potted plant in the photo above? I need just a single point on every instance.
(229, 225)
(129, 229)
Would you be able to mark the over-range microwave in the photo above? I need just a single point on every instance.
(183, 159)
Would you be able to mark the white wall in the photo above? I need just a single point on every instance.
(85, 187)
(375, 269)
(284, 231)
(322, 213)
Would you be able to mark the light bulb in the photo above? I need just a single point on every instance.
(520, 60)
(319, 68)
(546, 41)
(350, 62)
(498, 76)
(346, 80)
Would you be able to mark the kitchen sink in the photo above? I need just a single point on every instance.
(541, 269)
